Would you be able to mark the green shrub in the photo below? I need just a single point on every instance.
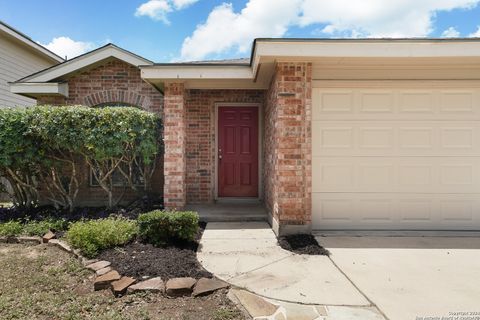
(39, 228)
(93, 236)
(20, 157)
(46, 146)
(161, 227)
(11, 228)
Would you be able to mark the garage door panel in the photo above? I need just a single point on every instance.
(396, 158)
(393, 174)
(396, 104)
(396, 138)
(401, 211)
(375, 102)
(458, 102)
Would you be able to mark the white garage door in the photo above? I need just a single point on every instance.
(402, 157)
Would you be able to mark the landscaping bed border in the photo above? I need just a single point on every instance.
(108, 278)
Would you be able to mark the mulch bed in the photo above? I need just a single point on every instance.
(302, 244)
(140, 260)
(130, 211)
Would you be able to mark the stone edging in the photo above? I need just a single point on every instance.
(108, 278)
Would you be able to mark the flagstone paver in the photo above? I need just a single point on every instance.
(179, 286)
(120, 286)
(98, 265)
(103, 271)
(48, 236)
(151, 285)
(255, 305)
(104, 281)
(206, 286)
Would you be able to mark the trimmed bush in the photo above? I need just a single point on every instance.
(45, 146)
(19, 157)
(162, 227)
(93, 236)
(32, 228)
(11, 228)
(39, 228)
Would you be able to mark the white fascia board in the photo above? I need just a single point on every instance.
(84, 61)
(190, 72)
(367, 49)
(33, 88)
(309, 51)
(30, 43)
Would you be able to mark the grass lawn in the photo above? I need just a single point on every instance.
(43, 282)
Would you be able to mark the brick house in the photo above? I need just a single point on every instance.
(327, 134)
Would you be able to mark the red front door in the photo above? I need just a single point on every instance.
(238, 152)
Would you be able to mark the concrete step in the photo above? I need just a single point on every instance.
(230, 212)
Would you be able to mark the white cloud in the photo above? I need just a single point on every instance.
(158, 9)
(476, 34)
(226, 29)
(66, 47)
(180, 4)
(450, 33)
(376, 18)
(155, 9)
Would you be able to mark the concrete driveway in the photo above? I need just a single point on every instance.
(412, 277)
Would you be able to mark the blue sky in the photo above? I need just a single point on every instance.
(172, 30)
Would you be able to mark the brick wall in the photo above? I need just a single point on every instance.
(174, 139)
(270, 142)
(287, 171)
(113, 81)
(200, 133)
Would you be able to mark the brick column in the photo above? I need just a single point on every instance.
(174, 139)
(289, 113)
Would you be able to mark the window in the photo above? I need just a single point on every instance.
(118, 180)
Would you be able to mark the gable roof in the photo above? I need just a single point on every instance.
(17, 35)
(87, 59)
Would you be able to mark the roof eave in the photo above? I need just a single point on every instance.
(29, 42)
(84, 60)
(35, 89)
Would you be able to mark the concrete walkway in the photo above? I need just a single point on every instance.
(299, 287)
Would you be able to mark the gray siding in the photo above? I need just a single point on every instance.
(17, 60)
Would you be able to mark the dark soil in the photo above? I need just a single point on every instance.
(139, 260)
(130, 211)
(302, 244)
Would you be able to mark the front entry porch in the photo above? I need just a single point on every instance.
(237, 144)
(231, 211)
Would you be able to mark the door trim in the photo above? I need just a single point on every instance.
(260, 147)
